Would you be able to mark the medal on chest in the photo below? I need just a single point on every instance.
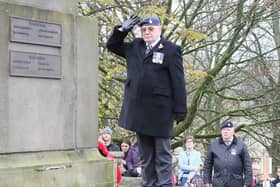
(158, 57)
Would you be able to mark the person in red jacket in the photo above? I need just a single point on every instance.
(104, 151)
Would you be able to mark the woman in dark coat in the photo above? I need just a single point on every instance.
(131, 160)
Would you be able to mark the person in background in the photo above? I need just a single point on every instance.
(102, 148)
(106, 138)
(256, 170)
(131, 159)
(154, 95)
(276, 181)
(189, 162)
(262, 181)
(229, 158)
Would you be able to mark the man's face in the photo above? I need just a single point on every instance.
(227, 133)
(255, 171)
(189, 144)
(106, 137)
(150, 33)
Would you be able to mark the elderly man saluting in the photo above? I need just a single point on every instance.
(154, 96)
(229, 158)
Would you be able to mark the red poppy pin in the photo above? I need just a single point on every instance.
(160, 46)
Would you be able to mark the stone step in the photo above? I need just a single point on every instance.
(130, 182)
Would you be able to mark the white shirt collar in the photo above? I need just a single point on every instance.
(154, 43)
(230, 140)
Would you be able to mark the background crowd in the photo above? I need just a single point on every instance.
(192, 171)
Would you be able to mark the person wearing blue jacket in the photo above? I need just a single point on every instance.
(188, 162)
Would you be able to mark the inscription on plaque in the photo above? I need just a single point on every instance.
(35, 32)
(35, 65)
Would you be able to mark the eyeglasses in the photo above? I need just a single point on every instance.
(148, 29)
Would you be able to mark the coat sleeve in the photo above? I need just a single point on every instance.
(247, 163)
(116, 42)
(182, 162)
(178, 81)
(208, 166)
(104, 151)
(133, 160)
(129, 161)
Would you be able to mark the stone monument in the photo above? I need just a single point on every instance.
(48, 97)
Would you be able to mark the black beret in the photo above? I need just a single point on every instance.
(226, 124)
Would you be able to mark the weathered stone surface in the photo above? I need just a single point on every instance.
(76, 168)
(39, 114)
(130, 182)
(67, 6)
(48, 127)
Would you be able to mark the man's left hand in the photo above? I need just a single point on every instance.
(180, 117)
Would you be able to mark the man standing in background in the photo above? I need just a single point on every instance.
(229, 158)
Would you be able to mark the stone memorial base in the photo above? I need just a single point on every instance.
(49, 97)
(73, 168)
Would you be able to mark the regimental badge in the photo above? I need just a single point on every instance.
(158, 57)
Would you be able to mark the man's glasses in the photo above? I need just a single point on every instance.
(148, 29)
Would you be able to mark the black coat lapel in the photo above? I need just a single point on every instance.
(157, 47)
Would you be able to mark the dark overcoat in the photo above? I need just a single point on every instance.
(155, 85)
(232, 164)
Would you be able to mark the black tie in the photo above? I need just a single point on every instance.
(149, 48)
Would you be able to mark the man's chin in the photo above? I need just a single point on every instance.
(147, 40)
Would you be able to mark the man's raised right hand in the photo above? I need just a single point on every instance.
(130, 23)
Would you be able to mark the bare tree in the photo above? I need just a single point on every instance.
(230, 70)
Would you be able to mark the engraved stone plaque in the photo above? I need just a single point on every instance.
(35, 32)
(29, 64)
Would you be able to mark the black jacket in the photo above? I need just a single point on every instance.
(230, 164)
(260, 184)
(275, 182)
(113, 147)
(154, 92)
